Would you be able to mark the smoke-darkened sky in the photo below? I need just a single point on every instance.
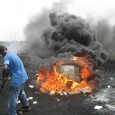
(15, 14)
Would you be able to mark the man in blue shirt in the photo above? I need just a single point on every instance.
(15, 67)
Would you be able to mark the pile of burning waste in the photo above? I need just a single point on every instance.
(66, 36)
(67, 77)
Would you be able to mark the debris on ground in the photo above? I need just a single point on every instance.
(35, 102)
(98, 107)
(31, 86)
(57, 99)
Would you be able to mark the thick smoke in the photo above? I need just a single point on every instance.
(62, 35)
(72, 34)
(68, 35)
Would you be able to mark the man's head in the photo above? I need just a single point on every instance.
(3, 50)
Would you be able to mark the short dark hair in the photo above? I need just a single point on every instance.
(2, 49)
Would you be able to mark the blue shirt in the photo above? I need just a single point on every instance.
(16, 69)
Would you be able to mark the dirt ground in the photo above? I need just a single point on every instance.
(79, 104)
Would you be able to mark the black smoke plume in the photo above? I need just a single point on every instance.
(63, 35)
(60, 35)
(70, 33)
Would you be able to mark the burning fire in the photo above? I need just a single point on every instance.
(53, 82)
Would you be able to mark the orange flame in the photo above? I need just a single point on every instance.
(52, 81)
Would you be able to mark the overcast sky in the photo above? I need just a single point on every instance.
(15, 14)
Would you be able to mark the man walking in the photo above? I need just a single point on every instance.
(14, 66)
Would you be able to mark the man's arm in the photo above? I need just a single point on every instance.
(5, 71)
(4, 75)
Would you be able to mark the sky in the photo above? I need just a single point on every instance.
(15, 14)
